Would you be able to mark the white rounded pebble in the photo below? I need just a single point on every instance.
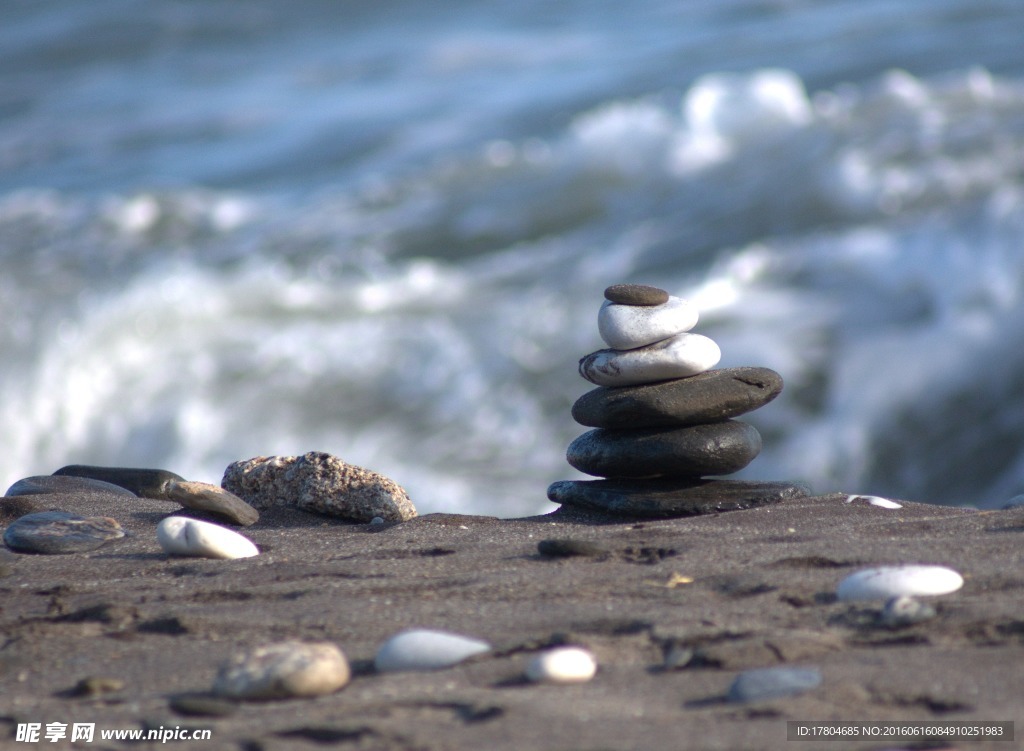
(912, 580)
(179, 535)
(632, 326)
(677, 357)
(424, 649)
(874, 500)
(562, 665)
(286, 669)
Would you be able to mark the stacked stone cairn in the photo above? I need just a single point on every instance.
(663, 419)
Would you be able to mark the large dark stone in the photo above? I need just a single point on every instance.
(711, 396)
(715, 449)
(145, 483)
(671, 498)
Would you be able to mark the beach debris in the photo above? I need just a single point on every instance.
(204, 496)
(569, 548)
(51, 484)
(663, 418)
(886, 582)
(180, 535)
(320, 483)
(283, 670)
(903, 611)
(762, 684)
(60, 532)
(873, 500)
(562, 665)
(426, 649)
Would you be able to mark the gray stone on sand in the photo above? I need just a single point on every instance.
(50, 484)
(58, 532)
(712, 396)
(320, 483)
(663, 499)
(773, 683)
(636, 294)
(283, 670)
(203, 496)
(719, 448)
(145, 483)
(903, 611)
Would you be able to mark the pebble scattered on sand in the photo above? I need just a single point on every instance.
(145, 483)
(203, 496)
(48, 484)
(179, 535)
(663, 418)
(320, 483)
(59, 532)
(911, 580)
(905, 611)
(562, 665)
(425, 649)
(873, 500)
(773, 683)
(283, 670)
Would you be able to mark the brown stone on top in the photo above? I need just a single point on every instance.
(719, 448)
(665, 498)
(320, 483)
(711, 396)
(203, 496)
(636, 294)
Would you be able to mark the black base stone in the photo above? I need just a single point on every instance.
(671, 498)
(145, 483)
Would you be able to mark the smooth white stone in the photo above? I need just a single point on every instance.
(562, 665)
(874, 500)
(632, 326)
(286, 669)
(179, 535)
(912, 580)
(677, 357)
(424, 649)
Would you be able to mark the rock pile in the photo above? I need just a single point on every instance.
(663, 418)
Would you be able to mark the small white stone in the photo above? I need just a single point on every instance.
(283, 670)
(562, 665)
(179, 535)
(912, 580)
(424, 649)
(678, 357)
(874, 500)
(632, 326)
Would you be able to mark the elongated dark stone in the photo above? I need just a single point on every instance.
(146, 483)
(719, 448)
(49, 484)
(712, 396)
(671, 498)
(636, 294)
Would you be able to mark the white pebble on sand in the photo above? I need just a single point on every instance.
(562, 665)
(179, 535)
(632, 326)
(912, 580)
(424, 649)
(874, 500)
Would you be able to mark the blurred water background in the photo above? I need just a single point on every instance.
(382, 230)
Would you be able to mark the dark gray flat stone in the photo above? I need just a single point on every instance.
(773, 683)
(636, 294)
(712, 396)
(671, 498)
(49, 484)
(715, 449)
(146, 483)
(58, 532)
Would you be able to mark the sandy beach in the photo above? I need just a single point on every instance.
(123, 636)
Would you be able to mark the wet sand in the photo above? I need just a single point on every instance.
(743, 589)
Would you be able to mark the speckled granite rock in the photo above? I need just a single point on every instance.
(318, 482)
